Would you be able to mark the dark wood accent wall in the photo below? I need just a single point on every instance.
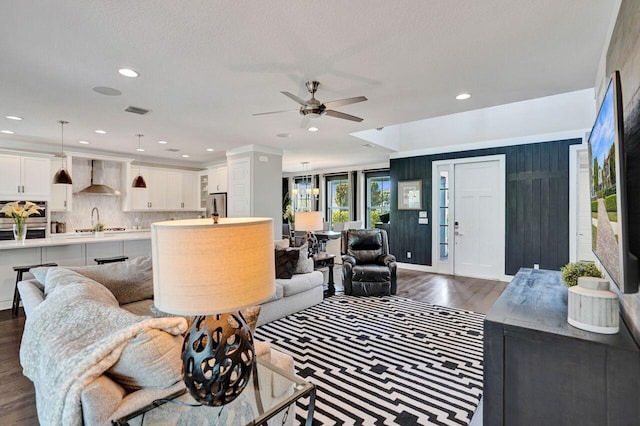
(537, 205)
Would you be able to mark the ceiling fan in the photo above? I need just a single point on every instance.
(313, 108)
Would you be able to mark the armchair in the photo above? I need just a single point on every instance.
(367, 267)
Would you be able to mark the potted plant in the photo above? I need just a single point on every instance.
(98, 229)
(572, 271)
(19, 211)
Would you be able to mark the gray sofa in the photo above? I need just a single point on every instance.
(104, 396)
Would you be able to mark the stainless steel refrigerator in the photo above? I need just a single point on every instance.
(217, 201)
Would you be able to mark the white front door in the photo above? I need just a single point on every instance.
(478, 224)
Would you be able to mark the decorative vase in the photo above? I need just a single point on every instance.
(19, 231)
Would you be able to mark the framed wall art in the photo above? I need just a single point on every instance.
(410, 194)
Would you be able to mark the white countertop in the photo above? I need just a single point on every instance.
(77, 238)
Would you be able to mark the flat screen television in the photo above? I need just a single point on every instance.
(609, 211)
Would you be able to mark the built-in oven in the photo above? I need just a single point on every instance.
(36, 224)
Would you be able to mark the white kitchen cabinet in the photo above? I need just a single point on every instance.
(173, 190)
(9, 259)
(190, 199)
(136, 248)
(102, 249)
(70, 255)
(167, 190)
(218, 181)
(61, 195)
(25, 177)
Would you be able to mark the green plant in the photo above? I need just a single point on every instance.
(594, 206)
(611, 203)
(609, 191)
(375, 217)
(572, 271)
(339, 216)
(98, 227)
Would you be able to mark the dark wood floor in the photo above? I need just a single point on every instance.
(17, 400)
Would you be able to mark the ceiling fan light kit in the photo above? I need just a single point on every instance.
(313, 108)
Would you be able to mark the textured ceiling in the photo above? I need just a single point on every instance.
(207, 66)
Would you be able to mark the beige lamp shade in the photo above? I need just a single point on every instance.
(308, 221)
(202, 268)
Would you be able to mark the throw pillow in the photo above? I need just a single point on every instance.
(153, 359)
(305, 263)
(282, 244)
(286, 261)
(129, 281)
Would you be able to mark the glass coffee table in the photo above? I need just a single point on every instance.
(270, 398)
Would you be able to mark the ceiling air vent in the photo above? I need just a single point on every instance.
(172, 149)
(136, 110)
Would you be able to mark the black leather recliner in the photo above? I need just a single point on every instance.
(367, 267)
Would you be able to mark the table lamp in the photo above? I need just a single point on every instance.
(309, 222)
(212, 271)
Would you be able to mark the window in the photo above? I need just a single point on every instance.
(338, 199)
(378, 192)
(302, 200)
(444, 216)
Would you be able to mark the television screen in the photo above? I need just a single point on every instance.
(608, 195)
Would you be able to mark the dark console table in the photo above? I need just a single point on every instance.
(539, 370)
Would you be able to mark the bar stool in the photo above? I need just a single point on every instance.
(16, 294)
(103, 260)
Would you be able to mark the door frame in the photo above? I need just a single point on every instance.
(448, 266)
(574, 193)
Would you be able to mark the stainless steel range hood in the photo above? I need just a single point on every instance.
(97, 186)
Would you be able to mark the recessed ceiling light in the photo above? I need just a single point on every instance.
(463, 96)
(140, 149)
(185, 155)
(102, 132)
(210, 149)
(13, 117)
(313, 129)
(127, 72)
(83, 142)
(7, 132)
(162, 142)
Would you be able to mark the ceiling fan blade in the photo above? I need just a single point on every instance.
(295, 98)
(338, 114)
(305, 122)
(275, 112)
(341, 102)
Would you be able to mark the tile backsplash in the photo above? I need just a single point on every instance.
(110, 207)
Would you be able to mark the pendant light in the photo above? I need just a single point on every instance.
(62, 176)
(138, 181)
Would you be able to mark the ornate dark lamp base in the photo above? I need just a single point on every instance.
(312, 242)
(218, 357)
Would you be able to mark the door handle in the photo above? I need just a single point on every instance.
(459, 233)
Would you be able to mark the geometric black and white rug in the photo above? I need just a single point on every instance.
(384, 360)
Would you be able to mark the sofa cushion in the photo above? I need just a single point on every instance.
(286, 261)
(59, 277)
(129, 281)
(141, 307)
(300, 283)
(277, 294)
(151, 359)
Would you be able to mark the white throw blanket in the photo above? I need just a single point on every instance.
(76, 334)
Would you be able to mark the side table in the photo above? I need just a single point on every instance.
(326, 260)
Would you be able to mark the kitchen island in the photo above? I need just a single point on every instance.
(70, 249)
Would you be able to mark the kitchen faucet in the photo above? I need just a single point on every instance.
(95, 209)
